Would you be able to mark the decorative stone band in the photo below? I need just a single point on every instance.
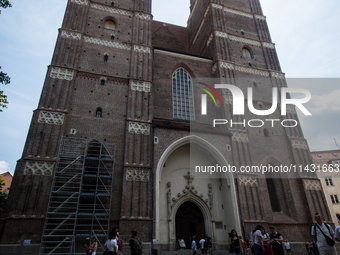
(244, 69)
(268, 45)
(71, 35)
(137, 174)
(48, 117)
(141, 49)
(312, 184)
(251, 71)
(111, 9)
(120, 11)
(80, 2)
(140, 86)
(240, 136)
(107, 43)
(247, 180)
(237, 12)
(299, 143)
(277, 75)
(61, 73)
(244, 40)
(143, 16)
(139, 128)
(39, 168)
(259, 17)
(241, 39)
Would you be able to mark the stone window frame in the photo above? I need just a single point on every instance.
(186, 98)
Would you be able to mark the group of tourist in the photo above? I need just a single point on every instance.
(261, 242)
(114, 244)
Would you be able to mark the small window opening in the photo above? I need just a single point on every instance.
(265, 132)
(102, 82)
(106, 57)
(112, 37)
(112, 4)
(99, 113)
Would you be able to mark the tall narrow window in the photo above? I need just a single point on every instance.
(335, 199)
(183, 105)
(329, 181)
(109, 24)
(106, 57)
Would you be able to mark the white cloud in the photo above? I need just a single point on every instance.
(326, 103)
(4, 166)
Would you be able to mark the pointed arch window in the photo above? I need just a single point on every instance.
(183, 104)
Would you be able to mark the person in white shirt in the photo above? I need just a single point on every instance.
(202, 241)
(258, 240)
(111, 244)
(319, 231)
(194, 246)
(287, 246)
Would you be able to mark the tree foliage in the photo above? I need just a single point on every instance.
(5, 3)
(4, 79)
(3, 196)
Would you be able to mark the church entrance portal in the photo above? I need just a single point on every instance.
(189, 222)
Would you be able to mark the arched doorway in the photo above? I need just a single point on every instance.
(189, 222)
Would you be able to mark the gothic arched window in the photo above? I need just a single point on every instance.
(183, 104)
(109, 24)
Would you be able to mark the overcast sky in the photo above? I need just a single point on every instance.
(305, 32)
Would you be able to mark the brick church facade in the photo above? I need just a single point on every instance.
(118, 131)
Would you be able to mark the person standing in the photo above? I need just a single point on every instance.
(277, 242)
(92, 249)
(194, 246)
(210, 245)
(324, 235)
(135, 244)
(202, 245)
(267, 247)
(234, 243)
(111, 245)
(258, 240)
(287, 246)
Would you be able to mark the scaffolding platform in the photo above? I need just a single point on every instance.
(80, 197)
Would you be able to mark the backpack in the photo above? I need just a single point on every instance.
(137, 247)
(120, 245)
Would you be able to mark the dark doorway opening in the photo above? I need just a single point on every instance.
(189, 222)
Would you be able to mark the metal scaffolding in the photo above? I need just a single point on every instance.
(80, 199)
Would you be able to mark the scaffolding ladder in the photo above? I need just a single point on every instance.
(80, 198)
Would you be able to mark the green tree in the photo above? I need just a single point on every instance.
(4, 79)
(3, 196)
(5, 3)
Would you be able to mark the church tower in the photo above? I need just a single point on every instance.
(118, 133)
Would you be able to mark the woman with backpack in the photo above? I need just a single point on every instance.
(111, 246)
